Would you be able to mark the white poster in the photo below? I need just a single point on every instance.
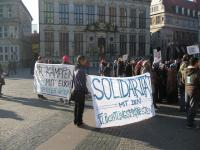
(157, 56)
(121, 101)
(125, 57)
(53, 79)
(194, 49)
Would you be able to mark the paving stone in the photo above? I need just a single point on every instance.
(25, 121)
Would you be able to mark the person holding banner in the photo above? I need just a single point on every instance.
(40, 60)
(65, 60)
(80, 89)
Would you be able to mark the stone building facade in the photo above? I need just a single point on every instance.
(174, 25)
(95, 28)
(15, 32)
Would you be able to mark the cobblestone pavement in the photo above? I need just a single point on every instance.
(25, 121)
(165, 131)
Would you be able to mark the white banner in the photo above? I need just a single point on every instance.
(53, 79)
(157, 56)
(194, 49)
(121, 101)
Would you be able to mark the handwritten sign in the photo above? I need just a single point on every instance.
(121, 101)
(157, 56)
(125, 57)
(53, 79)
(194, 49)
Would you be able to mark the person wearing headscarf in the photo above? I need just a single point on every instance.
(65, 60)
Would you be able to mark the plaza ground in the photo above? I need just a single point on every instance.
(27, 123)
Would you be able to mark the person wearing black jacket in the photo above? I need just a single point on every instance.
(120, 68)
(128, 69)
(80, 89)
(107, 70)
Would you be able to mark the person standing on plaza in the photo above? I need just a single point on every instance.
(80, 89)
(162, 77)
(50, 61)
(107, 70)
(128, 69)
(192, 89)
(138, 67)
(115, 68)
(172, 85)
(40, 60)
(181, 87)
(148, 69)
(120, 68)
(102, 66)
(65, 60)
(2, 81)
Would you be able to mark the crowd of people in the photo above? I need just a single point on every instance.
(175, 81)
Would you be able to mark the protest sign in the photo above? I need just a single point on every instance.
(125, 57)
(194, 49)
(53, 79)
(121, 101)
(157, 56)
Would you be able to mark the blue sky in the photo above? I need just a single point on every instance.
(32, 6)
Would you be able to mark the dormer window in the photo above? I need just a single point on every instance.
(188, 12)
(177, 9)
(194, 12)
(183, 11)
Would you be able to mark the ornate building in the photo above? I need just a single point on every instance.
(15, 32)
(174, 25)
(95, 28)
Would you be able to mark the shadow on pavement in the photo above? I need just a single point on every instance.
(9, 114)
(165, 131)
(47, 104)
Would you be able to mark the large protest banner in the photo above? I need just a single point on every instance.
(121, 101)
(53, 79)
